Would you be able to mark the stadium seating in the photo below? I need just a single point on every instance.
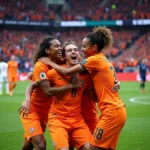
(127, 49)
(93, 10)
(129, 45)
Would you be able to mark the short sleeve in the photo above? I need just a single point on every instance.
(50, 74)
(40, 72)
(89, 64)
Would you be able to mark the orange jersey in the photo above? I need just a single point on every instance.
(39, 100)
(103, 76)
(64, 104)
(89, 109)
(12, 68)
(89, 112)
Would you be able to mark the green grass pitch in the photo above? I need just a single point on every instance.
(135, 134)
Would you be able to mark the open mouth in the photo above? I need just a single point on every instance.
(59, 53)
(74, 58)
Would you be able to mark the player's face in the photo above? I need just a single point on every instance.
(13, 57)
(55, 51)
(87, 47)
(71, 54)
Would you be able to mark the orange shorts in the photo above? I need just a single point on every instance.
(12, 79)
(109, 127)
(34, 124)
(64, 130)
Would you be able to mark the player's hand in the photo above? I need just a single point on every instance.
(24, 109)
(74, 79)
(79, 83)
(116, 87)
(29, 75)
(45, 60)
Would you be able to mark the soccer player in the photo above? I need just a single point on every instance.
(68, 105)
(90, 115)
(12, 74)
(143, 69)
(65, 118)
(3, 76)
(113, 111)
(35, 122)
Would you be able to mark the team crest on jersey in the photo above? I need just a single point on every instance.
(42, 75)
(31, 130)
(84, 61)
(54, 144)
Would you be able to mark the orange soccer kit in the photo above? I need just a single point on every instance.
(65, 119)
(35, 122)
(113, 112)
(89, 112)
(12, 71)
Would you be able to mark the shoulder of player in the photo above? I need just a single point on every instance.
(40, 64)
(53, 72)
(96, 57)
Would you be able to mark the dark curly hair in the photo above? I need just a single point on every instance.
(101, 36)
(46, 43)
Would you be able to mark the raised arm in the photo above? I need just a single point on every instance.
(65, 71)
(51, 91)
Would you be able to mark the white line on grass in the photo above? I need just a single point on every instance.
(139, 100)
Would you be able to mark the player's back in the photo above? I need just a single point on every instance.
(65, 104)
(3, 69)
(103, 76)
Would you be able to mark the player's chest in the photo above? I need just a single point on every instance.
(13, 65)
(143, 67)
(60, 81)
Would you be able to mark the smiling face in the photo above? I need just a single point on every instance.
(71, 54)
(55, 51)
(88, 49)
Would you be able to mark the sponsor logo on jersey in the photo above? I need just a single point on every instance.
(31, 130)
(43, 75)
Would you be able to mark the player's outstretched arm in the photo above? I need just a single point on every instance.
(52, 91)
(62, 70)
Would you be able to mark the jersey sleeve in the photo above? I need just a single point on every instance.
(51, 74)
(40, 72)
(89, 64)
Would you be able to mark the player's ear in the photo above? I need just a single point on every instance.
(94, 47)
(47, 50)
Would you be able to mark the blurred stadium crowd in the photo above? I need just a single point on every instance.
(74, 10)
(130, 45)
